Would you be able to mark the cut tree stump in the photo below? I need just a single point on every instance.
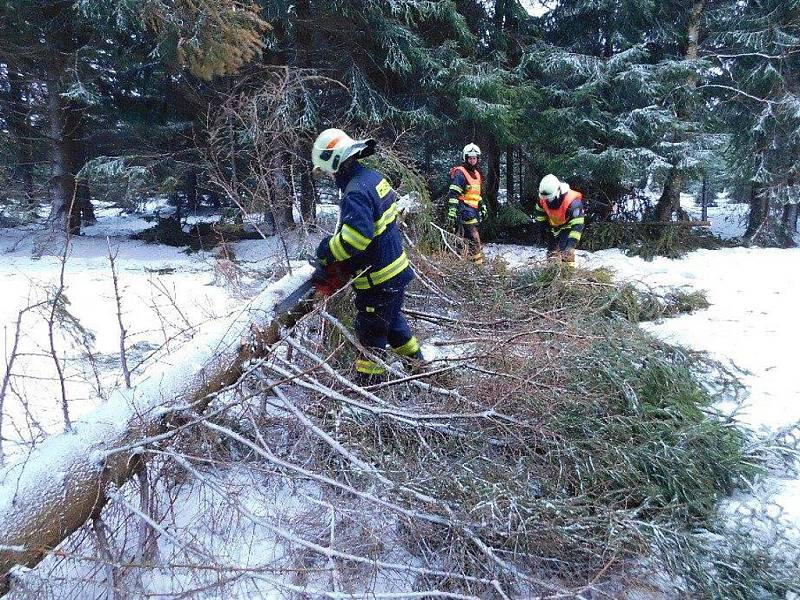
(63, 482)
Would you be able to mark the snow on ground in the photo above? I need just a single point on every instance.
(754, 294)
(728, 219)
(751, 325)
(166, 294)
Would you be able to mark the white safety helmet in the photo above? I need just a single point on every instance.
(333, 146)
(551, 186)
(470, 150)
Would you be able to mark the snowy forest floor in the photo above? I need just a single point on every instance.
(751, 325)
(167, 294)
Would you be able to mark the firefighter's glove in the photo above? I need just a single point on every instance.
(316, 262)
(484, 210)
(322, 255)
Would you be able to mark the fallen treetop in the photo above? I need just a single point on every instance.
(53, 491)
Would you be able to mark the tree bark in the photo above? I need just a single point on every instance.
(64, 205)
(303, 34)
(84, 199)
(308, 194)
(670, 199)
(492, 177)
(303, 46)
(757, 225)
(789, 219)
(175, 200)
(669, 202)
(64, 482)
(191, 190)
(284, 193)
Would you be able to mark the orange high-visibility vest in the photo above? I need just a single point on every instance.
(558, 216)
(472, 193)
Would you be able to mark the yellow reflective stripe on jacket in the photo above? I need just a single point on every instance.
(383, 188)
(338, 251)
(410, 348)
(388, 216)
(369, 367)
(383, 275)
(575, 235)
(577, 221)
(354, 237)
(453, 186)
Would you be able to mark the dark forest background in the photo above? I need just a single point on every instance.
(215, 102)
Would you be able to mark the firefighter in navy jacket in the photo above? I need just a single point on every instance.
(560, 209)
(368, 244)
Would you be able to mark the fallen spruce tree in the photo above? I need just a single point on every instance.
(551, 449)
(64, 481)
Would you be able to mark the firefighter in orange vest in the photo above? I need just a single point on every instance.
(560, 209)
(465, 207)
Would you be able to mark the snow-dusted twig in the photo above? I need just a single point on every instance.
(288, 536)
(51, 323)
(445, 234)
(416, 382)
(123, 357)
(103, 543)
(11, 357)
(425, 498)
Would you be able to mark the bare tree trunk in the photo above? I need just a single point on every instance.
(64, 482)
(303, 45)
(789, 219)
(64, 207)
(757, 220)
(492, 174)
(84, 199)
(308, 195)
(670, 199)
(304, 34)
(191, 190)
(282, 201)
(669, 202)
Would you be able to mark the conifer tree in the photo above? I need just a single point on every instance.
(757, 51)
(612, 77)
(210, 38)
(91, 63)
(398, 63)
(683, 106)
(45, 47)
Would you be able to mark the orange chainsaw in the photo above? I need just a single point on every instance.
(328, 279)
